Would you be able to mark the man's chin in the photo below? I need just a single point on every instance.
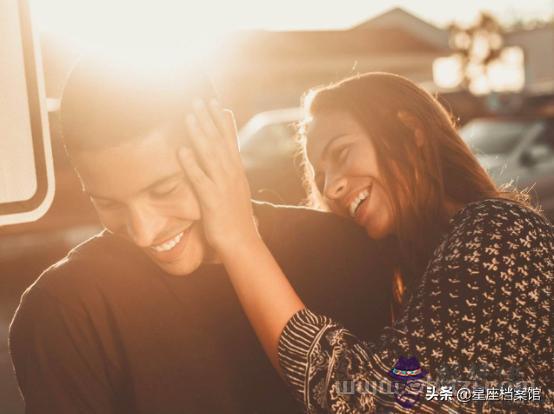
(180, 267)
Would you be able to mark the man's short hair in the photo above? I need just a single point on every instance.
(108, 102)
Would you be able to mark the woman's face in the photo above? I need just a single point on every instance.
(346, 171)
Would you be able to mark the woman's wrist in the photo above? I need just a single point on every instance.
(244, 242)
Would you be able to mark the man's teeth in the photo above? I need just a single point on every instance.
(168, 245)
(357, 201)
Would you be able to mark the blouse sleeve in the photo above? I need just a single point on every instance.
(480, 314)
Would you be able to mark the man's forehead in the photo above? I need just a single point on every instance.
(129, 168)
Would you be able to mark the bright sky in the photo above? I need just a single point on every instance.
(279, 14)
(102, 21)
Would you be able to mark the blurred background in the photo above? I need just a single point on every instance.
(492, 67)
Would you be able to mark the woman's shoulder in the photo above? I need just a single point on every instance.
(493, 232)
(500, 214)
(495, 247)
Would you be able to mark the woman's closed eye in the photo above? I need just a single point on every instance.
(165, 190)
(341, 153)
(106, 205)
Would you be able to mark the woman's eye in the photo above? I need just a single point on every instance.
(342, 153)
(106, 205)
(162, 192)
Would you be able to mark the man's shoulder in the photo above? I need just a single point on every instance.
(269, 210)
(304, 234)
(289, 221)
(89, 264)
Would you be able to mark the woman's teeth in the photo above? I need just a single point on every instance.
(168, 245)
(357, 202)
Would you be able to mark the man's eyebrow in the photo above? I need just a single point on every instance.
(147, 188)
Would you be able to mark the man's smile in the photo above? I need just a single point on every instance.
(168, 244)
(170, 249)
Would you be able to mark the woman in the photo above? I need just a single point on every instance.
(477, 261)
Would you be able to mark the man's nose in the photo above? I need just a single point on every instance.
(143, 225)
(335, 187)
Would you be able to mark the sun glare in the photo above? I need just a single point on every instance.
(505, 74)
(508, 74)
(157, 31)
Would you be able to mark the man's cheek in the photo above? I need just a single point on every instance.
(186, 204)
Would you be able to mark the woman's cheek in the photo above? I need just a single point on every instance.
(382, 223)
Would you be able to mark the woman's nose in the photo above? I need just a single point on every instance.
(335, 187)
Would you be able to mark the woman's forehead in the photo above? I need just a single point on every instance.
(323, 127)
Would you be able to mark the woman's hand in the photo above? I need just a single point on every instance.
(213, 165)
(216, 173)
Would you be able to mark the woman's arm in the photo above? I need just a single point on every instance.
(264, 292)
(216, 172)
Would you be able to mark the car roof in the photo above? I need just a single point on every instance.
(277, 116)
(513, 117)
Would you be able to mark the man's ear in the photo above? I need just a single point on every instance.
(412, 122)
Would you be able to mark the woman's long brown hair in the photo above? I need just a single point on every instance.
(419, 179)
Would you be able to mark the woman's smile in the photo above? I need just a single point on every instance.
(359, 210)
(358, 200)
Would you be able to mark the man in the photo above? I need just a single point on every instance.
(142, 318)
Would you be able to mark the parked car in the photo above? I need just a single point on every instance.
(518, 149)
(269, 152)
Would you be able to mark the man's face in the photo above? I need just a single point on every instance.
(141, 193)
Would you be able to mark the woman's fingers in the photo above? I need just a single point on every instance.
(202, 146)
(206, 121)
(217, 115)
(217, 123)
(216, 134)
(230, 128)
(200, 181)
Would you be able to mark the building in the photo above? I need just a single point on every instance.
(538, 51)
(259, 70)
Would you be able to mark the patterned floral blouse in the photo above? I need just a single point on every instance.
(478, 321)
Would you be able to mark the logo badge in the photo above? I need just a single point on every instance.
(407, 387)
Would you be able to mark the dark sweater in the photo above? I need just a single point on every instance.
(106, 331)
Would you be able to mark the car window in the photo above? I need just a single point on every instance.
(546, 137)
(495, 137)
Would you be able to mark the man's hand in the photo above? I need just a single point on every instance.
(213, 165)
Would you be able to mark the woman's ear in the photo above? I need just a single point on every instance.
(413, 123)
